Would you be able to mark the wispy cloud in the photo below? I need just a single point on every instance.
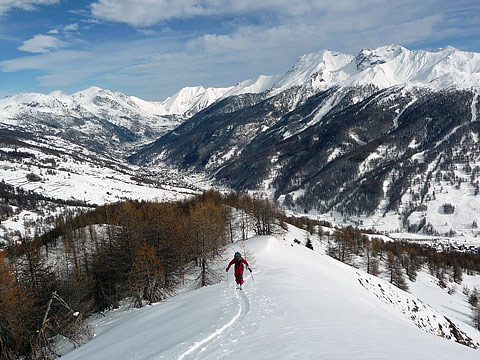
(175, 43)
(339, 24)
(64, 29)
(144, 13)
(71, 27)
(7, 5)
(42, 44)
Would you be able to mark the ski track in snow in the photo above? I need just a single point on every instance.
(243, 309)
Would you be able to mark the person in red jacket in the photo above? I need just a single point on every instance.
(238, 261)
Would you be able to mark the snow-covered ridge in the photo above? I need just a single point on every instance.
(190, 100)
(298, 304)
(383, 67)
(105, 104)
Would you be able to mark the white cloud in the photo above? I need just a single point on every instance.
(91, 21)
(67, 66)
(344, 25)
(41, 44)
(6, 5)
(64, 29)
(341, 28)
(71, 27)
(257, 37)
(145, 13)
(44, 61)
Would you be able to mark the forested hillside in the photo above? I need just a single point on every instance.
(130, 250)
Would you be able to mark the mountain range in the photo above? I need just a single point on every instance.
(386, 138)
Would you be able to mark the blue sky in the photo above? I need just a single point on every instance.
(153, 48)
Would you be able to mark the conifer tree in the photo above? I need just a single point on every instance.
(208, 230)
(395, 272)
(309, 244)
(17, 325)
(146, 276)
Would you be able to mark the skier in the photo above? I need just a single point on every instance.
(238, 261)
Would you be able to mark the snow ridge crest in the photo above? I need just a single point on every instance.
(383, 67)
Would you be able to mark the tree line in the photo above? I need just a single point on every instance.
(134, 250)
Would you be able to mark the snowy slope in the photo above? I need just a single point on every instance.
(106, 104)
(383, 67)
(67, 171)
(299, 305)
(191, 100)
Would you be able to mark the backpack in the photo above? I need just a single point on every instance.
(239, 263)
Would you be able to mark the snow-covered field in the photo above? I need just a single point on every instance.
(299, 304)
(69, 172)
(83, 179)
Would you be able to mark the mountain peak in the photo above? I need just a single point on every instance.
(91, 93)
(192, 99)
(371, 57)
(383, 67)
(393, 64)
(57, 94)
(448, 48)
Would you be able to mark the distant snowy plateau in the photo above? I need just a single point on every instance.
(386, 139)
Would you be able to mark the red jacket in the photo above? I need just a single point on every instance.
(238, 264)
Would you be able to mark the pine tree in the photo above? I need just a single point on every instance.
(17, 320)
(146, 276)
(395, 270)
(457, 272)
(309, 244)
(476, 316)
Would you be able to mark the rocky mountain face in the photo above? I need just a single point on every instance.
(389, 133)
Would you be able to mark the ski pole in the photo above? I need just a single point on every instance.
(251, 274)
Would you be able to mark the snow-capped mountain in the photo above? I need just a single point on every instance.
(101, 120)
(91, 108)
(383, 67)
(385, 138)
(190, 100)
(109, 105)
(357, 136)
